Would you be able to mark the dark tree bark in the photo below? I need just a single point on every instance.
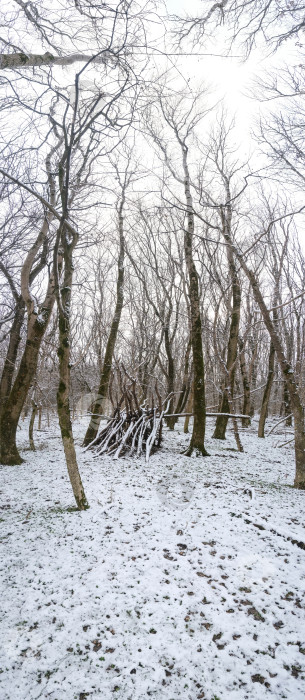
(246, 385)
(186, 382)
(189, 410)
(11, 355)
(63, 394)
(199, 405)
(31, 425)
(287, 371)
(15, 332)
(253, 372)
(267, 392)
(12, 398)
(226, 403)
(287, 404)
(170, 422)
(11, 411)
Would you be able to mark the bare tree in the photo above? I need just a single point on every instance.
(124, 179)
(287, 370)
(181, 117)
(59, 31)
(248, 22)
(38, 315)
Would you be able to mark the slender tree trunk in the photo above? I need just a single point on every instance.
(267, 393)
(246, 386)
(11, 355)
(31, 426)
(227, 397)
(235, 426)
(39, 416)
(287, 404)
(287, 371)
(186, 382)
(198, 435)
(106, 370)
(170, 422)
(63, 398)
(11, 411)
(253, 373)
(189, 409)
(12, 399)
(144, 379)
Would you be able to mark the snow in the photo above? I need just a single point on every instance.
(167, 587)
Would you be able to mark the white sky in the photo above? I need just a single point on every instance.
(232, 77)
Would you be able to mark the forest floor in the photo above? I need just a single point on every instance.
(185, 578)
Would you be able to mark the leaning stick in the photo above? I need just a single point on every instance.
(279, 422)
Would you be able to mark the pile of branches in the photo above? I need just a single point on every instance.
(134, 429)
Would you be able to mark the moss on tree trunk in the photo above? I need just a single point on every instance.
(12, 408)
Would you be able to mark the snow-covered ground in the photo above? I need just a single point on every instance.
(185, 578)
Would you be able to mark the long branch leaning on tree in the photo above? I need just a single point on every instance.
(22, 60)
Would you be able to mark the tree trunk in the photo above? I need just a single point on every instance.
(198, 435)
(267, 392)
(63, 403)
(11, 411)
(11, 355)
(287, 404)
(12, 399)
(144, 379)
(186, 383)
(246, 386)
(253, 372)
(227, 397)
(189, 410)
(287, 371)
(170, 422)
(39, 417)
(31, 426)
(106, 370)
(22, 61)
